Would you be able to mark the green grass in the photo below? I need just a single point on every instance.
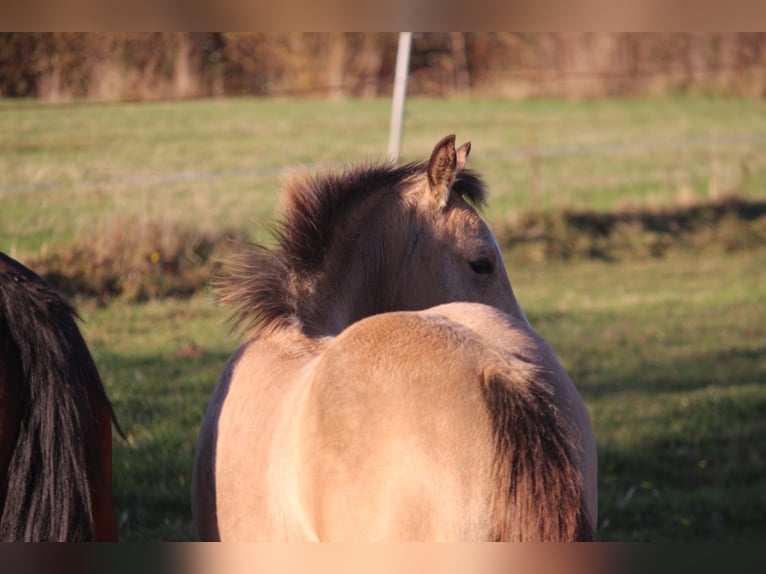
(668, 355)
(159, 380)
(100, 158)
(668, 352)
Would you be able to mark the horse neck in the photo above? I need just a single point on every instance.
(356, 303)
(365, 272)
(512, 307)
(365, 275)
(360, 277)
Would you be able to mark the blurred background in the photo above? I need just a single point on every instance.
(627, 178)
(55, 66)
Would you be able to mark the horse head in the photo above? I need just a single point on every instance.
(452, 255)
(371, 240)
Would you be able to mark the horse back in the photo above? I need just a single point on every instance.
(406, 426)
(422, 430)
(401, 442)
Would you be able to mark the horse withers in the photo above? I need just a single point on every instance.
(55, 419)
(391, 387)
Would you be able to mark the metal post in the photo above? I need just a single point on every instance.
(400, 91)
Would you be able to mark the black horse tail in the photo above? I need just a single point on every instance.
(48, 495)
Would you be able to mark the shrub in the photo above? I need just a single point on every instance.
(730, 223)
(137, 260)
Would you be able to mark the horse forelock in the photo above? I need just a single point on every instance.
(266, 285)
(469, 185)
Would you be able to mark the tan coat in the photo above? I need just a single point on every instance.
(392, 390)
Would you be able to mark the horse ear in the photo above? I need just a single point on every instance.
(462, 155)
(441, 169)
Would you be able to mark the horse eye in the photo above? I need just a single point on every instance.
(482, 266)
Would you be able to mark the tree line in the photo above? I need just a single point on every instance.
(166, 65)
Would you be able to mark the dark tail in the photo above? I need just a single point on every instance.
(62, 454)
(539, 494)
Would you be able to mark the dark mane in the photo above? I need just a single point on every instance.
(315, 206)
(469, 185)
(262, 286)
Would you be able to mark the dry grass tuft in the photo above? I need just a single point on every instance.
(136, 260)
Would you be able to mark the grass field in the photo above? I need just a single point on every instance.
(668, 352)
(668, 355)
(70, 170)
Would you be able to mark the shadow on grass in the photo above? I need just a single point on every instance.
(608, 356)
(705, 486)
(687, 465)
(723, 369)
(678, 401)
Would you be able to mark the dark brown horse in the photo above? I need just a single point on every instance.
(55, 419)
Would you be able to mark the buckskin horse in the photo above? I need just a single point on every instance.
(55, 419)
(390, 387)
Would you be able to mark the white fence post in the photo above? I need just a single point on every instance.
(400, 91)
